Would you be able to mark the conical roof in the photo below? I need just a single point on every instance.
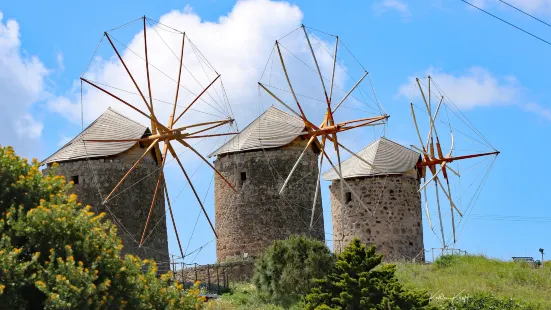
(111, 125)
(274, 128)
(387, 156)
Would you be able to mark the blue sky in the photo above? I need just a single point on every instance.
(495, 74)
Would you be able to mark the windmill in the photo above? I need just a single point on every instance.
(436, 161)
(165, 135)
(328, 130)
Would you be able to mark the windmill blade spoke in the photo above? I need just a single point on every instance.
(172, 217)
(417, 129)
(333, 71)
(349, 92)
(192, 187)
(153, 127)
(336, 146)
(287, 106)
(184, 143)
(159, 183)
(419, 150)
(449, 197)
(367, 120)
(352, 191)
(440, 215)
(296, 165)
(152, 145)
(152, 118)
(171, 120)
(427, 208)
(196, 98)
(360, 158)
(366, 124)
(222, 122)
(452, 145)
(316, 193)
(289, 81)
(451, 211)
(130, 75)
(433, 118)
(434, 176)
(213, 135)
(317, 67)
(423, 95)
(455, 172)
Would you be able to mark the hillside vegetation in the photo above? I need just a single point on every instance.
(466, 275)
(450, 277)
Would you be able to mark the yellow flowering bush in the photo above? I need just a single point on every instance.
(56, 254)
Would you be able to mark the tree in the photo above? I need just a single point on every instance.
(358, 282)
(54, 253)
(284, 273)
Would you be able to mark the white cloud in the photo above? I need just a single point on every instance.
(21, 85)
(475, 87)
(530, 6)
(237, 45)
(27, 127)
(59, 60)
(392, 5)
(537, 109)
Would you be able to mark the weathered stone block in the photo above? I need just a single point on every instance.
(397, 237)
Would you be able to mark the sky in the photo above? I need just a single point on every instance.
(495, 75)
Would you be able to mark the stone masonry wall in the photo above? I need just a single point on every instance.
(396, 225)
(249, 220)
(130, 205)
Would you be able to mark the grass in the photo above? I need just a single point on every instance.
(451, 276)
(243, 296)
(465, 275)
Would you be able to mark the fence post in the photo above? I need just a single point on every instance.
(217, 279)
(225, 277)
(208, 276)
(195, 268)
(171, 263)
(182, 266)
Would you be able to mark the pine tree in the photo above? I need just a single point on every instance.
(358, 282)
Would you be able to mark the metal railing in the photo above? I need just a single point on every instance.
(213, 278)
(445, 251)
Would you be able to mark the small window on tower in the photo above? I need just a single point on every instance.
(243, 176)
(348, 197)
(74, 179)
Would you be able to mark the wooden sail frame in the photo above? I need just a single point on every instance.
(327, 130)
(166, 133)
(433, 159)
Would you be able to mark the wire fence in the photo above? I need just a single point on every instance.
(438, 252)
(212, 278)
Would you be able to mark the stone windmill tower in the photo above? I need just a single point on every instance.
(389, 189)
(95, 169)
(257, 161)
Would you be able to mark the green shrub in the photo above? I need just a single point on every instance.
(356, 283)
(486, 301)
(56, 254)
(284, 273)
(446, 261)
